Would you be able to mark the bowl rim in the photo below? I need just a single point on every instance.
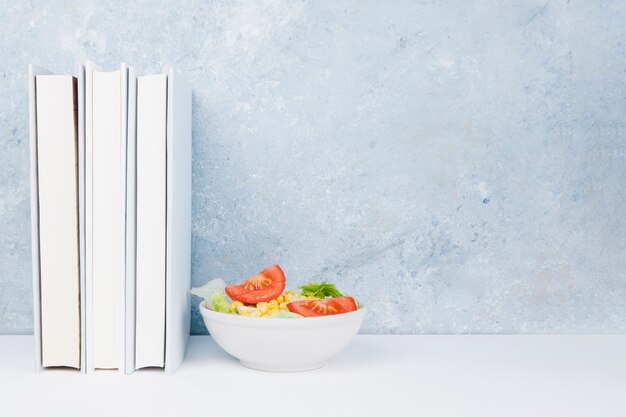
(281, 321)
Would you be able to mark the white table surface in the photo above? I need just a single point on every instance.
(500, 376)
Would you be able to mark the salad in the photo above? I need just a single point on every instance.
(264, 295)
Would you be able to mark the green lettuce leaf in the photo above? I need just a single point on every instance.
(214, 296)
(220, 304)
(320, 290)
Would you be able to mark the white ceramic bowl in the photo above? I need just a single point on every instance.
(282, 344)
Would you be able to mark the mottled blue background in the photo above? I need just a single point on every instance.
(461, 166)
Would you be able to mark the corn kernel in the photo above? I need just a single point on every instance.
(256, 313)
(273, 303)
(280, 299)
(244, 313)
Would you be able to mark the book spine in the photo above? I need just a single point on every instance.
(178, 274)
(80, 70)
(131, 221)
(34, 210)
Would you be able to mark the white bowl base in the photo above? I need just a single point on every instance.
(282, 368)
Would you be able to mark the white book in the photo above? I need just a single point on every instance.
(33, 72)
(170, 96)
(178, 221)
(57, 165)
(105, 215)
(151, 226)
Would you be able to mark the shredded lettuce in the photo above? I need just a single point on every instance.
(220, 304)
(214, 296)
(207, 290)
(320, 290)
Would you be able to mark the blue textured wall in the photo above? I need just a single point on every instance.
(459, 165)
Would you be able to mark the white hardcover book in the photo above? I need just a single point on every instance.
(35, 239)
(151, 226)
(178, 221)
(105, 214)
(34, 71)
(131, 218)
(57, 161)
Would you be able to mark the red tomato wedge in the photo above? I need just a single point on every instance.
(323, 307)
(264, 286)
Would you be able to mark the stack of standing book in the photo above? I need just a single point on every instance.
(111, 218)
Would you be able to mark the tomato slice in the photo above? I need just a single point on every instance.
(323, 307)
(264, 286)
